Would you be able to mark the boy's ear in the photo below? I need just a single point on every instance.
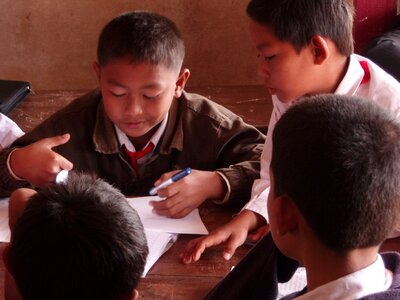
(181, 82)
(286, 215)
(96, 68)
(133, 296)
(320, 49)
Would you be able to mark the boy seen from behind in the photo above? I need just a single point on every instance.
(335, 196)
(76, 240)
(305, 48)
(140, 127)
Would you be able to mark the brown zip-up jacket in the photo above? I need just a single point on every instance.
(200, 134)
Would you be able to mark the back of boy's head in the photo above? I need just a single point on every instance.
(338, 159)
(78, 240)
(297, 21)
(142, 37)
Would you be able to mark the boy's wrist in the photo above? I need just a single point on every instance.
(218, 188)
(10, 164)
(250, 219)
(227, 189)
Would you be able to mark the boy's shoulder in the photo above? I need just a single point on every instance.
(366, 79)
(88, 101)
(392, 264)
(79, 116)
(203, 107)
(82, 110)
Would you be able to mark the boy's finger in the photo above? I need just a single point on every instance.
(165, 176)
(173, 212)
(183, 213)
(64, 163)
(211, 240)
(230, 247)
(259, 233)
(56, 140)
(163, 204)
(191, 252)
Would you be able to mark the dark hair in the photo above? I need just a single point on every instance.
(297, 21)
(142, 37)
(78, 240)
(338, 158)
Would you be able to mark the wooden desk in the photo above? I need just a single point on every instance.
(252, 103)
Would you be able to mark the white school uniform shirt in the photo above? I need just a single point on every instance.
(9, 131)
(373, 279)
(381, 88)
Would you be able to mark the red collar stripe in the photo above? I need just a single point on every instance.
(367, 74)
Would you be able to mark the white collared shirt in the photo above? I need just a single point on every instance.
(370, 280)
(123, 139)
(9, 131)
(381, 88)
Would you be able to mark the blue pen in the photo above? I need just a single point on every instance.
(173, 179)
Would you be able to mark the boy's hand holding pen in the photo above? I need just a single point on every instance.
(185, 193)
(170, 181)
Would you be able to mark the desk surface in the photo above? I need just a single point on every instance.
(169, 278)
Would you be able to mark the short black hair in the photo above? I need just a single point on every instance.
(141, 36)
(78, 240)
(338, 158)
(297, 21)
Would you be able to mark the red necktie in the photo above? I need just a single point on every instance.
(135, 156)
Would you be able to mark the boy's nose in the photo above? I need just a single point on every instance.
(262, 71)
(133, 106)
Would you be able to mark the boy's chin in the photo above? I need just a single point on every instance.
(287, 98)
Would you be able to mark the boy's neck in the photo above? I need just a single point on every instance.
(324, 265)
(140, 142)
(333, 73)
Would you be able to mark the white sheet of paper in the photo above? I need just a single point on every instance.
(158, 243)
(191, 224)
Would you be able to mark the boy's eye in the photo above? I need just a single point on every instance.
(269, 58)
(117, 94)
(150, 97)
(266, 58)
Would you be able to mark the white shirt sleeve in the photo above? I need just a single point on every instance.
(9, 131)
(260, 190)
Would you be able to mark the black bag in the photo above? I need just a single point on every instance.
(11, 94)
(384, 50)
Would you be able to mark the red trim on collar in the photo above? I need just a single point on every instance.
(367, 74)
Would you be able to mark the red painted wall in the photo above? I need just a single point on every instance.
(373, 17)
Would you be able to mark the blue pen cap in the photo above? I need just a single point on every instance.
(181, 174)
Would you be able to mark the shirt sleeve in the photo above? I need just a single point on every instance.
(9, 131)
(261, 187)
